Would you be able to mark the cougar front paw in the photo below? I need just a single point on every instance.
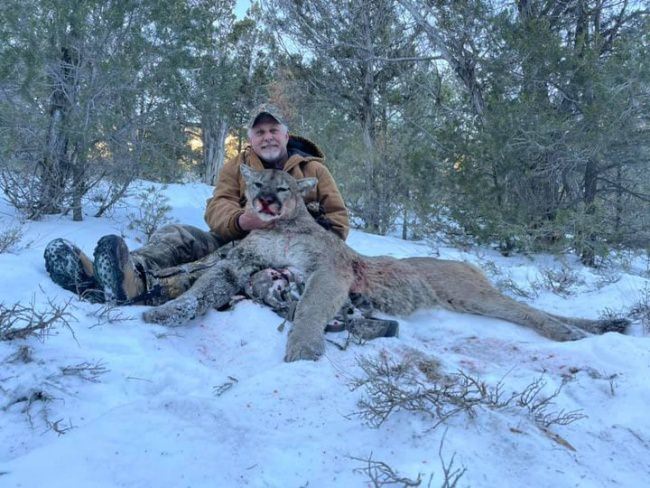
(172, 313)
(306, 348)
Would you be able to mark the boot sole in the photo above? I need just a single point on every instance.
(65, 268)
(110, 257)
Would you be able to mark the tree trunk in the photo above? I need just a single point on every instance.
(588, 255)
(78, 184)
(214, 147)
(405, 223)
(619, 201)
(54, 167)
(590, 188)
(371, 208)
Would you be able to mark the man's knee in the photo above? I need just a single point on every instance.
(175, 232)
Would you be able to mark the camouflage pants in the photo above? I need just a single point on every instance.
(176, 244)
(174, 258)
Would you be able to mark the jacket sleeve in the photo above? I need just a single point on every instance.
(332, 202)
(224, 208)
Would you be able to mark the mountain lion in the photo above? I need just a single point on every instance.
(333, 271)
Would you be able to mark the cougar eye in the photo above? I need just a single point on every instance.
(257, 184)
(282, 188)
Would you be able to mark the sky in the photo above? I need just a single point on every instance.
(241, 7)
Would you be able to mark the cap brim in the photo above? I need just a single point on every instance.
(264, 115)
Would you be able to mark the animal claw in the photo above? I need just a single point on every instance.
(309, 350)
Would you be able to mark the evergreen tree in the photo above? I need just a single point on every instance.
(353, 56)
(539, 132)
(71, 71)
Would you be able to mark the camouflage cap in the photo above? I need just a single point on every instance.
(265, 108)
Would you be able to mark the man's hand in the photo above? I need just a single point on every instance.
(250, 221)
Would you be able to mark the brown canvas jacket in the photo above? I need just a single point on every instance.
(305, 161)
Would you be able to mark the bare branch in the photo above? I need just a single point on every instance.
(20, 321)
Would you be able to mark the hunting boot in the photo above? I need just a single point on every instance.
(116, 271)
(365, 328)
(356, 316)
(357, 319)
(368, 328)
(71, 269)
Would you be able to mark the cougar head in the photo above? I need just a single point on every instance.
(274, 194)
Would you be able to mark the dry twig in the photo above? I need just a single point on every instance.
(86, 371)
(380, 473)
(21, 321)
(391, 386)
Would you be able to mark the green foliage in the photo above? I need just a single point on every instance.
(523, 125)
(555, 158)
(356, 88)
(73, 80)
(116, 90)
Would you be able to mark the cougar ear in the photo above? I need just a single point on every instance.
(306, 185)
(246, 172)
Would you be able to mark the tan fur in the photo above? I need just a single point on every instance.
(334, 270)
(87, 264)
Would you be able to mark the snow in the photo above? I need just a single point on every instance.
(213, 404)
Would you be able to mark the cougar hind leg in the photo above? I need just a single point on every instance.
(494, 304)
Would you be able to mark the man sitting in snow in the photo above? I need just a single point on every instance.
(131, 277)
(177, 254)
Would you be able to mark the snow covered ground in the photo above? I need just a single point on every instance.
(212, 404)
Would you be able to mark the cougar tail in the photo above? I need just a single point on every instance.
(596, 326)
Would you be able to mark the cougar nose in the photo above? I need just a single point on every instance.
(266, 199)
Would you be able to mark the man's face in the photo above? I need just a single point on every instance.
(269, 141)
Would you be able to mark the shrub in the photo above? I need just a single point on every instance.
(10, 238)
(19, 321)
(391, 386)
(153, 208)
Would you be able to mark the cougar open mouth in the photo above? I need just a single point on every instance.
(272, 209)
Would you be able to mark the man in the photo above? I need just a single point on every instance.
(271, 146)
(177, 254)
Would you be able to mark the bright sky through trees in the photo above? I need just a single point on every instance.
(241, 7)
